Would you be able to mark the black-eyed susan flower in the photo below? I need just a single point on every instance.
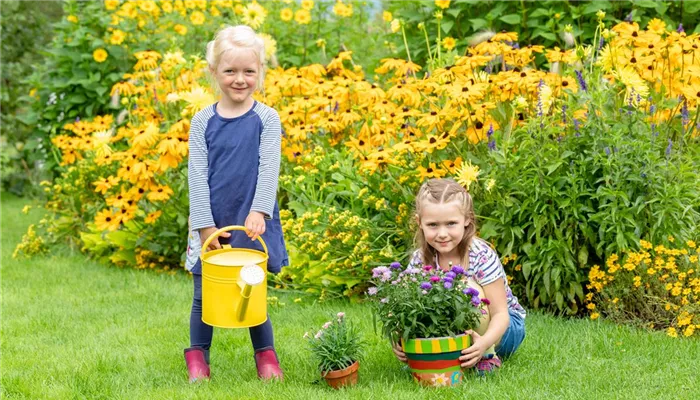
(100, 55)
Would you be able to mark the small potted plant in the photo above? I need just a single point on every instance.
(337, 348)
(427, 310)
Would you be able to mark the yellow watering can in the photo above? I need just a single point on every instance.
(234, 284)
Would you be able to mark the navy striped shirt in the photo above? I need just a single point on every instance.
(205, 122)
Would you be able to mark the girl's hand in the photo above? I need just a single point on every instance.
(204, 234)
(398, 351)
(255, 224)
(472, 354)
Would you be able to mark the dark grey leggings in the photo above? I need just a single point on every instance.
(201, 333)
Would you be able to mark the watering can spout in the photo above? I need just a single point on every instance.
(251, 276)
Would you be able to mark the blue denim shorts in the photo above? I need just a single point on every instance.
(513, 337)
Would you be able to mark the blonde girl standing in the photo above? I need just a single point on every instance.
(234, 163)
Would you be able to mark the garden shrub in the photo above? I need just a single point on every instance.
(535, 22)
(655, 287)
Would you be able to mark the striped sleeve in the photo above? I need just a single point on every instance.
(198, 172)
(488, 265)
(269, 164)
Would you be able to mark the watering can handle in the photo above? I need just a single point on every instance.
(205, 246)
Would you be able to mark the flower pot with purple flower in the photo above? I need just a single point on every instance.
(427, 310)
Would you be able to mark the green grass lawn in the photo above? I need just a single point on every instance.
(75, 329)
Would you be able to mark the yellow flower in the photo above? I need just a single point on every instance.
(180, 29)
(72, 18)
(671, 331)
(111, 4)
(467, 174)
(691, 244)
(671, 239)
(688, 332)
(442, 3)
(197, 18)
(590, 306)
(25, 209)
(117, 37)
(595, 315)
(152, 217)
(449, 43)
(286, 14)
(395, 25)
(636, 87)
(386, 16)
(342, 10)
(321, 43)
(99, 55)
(645, 244)
(307, 5)
(270, 45)
(490, 184)
(302, 17)
(254, 15)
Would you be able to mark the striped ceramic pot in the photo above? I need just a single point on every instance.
(435, 361)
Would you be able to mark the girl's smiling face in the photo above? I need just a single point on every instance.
(443, 226)
(237, 76)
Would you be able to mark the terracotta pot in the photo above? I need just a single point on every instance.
(342, 377)
(435, 361)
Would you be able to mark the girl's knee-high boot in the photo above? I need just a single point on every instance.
(197, 364)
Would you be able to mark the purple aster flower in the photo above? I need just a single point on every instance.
(490, 131)
(372, 291)
(426, 286)
(581, 82)
(434, 278)
(450, 274)
(395, 265)
(447, 284)
(476, 301)
(448, 279)
(471, 292)
(492, 144)
(457, 269)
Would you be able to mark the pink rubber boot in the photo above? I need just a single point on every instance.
(268, 365)
(197, 367)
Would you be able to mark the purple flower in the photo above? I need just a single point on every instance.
(471, 292)
(652, 109)
(486, 301)
(563, 113)
(427, 267)
(447, 279)
(384, 300)
(601, 43)
(581, 82)
(448, 284)
(376, 272)
(684, 113)
(395, 265)
(476, 301)
(628, 18)
(372, 291)
(426, 286)
(680, 28)
(490, 131)
(451, 275)
(434, 278)
(492, 144)
(669, 147)
(607, 150)
(457, 269)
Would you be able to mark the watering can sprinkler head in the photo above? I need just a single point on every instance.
(250, 276)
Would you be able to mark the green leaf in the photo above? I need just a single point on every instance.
(645, 3)
(512, 19)
(447, 26)
(478, 23)
(540, 12)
